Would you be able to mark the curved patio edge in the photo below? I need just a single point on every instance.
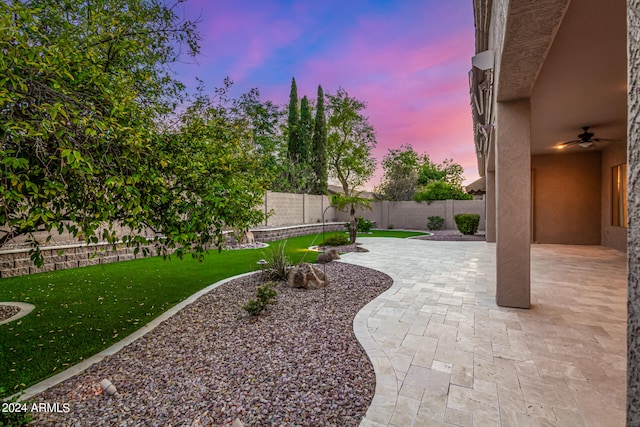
(386, 394)
(25, 308)
(385, 397)
(43, 385)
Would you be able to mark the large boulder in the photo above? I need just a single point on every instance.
(328, 256)
(307, 276)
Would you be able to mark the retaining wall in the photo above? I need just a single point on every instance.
(278, 233)
(17, 262)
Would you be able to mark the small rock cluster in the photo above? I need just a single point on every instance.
(307, 276)
(328, 256)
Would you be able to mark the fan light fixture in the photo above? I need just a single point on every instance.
(585, 140)
(585, 144)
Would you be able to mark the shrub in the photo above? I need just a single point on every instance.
(364, 225)
(467, 223)
(390, 227)
(18, 415)
(265, 295)
(435, 222)
(336, 240)
(277, 263)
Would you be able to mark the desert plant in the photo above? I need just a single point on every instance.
(364, 225)
(277, 263)
(435, 222)
(336, 240)
(265, 295)
(467, 223)
(352, 203)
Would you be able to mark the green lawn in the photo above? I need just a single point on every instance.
(81, 311)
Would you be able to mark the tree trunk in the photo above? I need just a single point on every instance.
(353, 225)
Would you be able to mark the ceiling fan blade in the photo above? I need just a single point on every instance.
(605, 140)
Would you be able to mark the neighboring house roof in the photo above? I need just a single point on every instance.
(477, 187)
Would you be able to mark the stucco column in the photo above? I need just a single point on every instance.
(633, 242)
(513, 203)
(490, 206)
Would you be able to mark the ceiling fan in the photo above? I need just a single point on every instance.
(585, 140)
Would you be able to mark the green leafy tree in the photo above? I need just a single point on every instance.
(441, 182)
(447, 171)
(441, 190)
(86, 143)
(350, 140)
(213, 177)
(263, 120)
(319, 147)
(401, 167)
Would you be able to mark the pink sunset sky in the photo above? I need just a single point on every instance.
(408, 60)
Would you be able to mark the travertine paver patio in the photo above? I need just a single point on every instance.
(445, 354)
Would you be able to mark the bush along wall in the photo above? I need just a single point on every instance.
(435, 222)
(467, 223)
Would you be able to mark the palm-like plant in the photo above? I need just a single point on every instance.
(351, 202)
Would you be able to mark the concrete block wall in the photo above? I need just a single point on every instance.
(413, 215)
(285, 209)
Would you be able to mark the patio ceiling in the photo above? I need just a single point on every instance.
(583, 79)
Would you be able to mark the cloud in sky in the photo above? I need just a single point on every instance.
(408, 60)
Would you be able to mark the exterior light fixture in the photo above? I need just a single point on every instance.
(108, 388)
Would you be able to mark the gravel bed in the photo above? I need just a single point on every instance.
(450, 235)
(352, 247)
(7, 311)
(298, 363)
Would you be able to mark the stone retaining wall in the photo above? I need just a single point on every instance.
(278, 233)
(17, 262)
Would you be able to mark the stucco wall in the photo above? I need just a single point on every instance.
(566, 201)
(633, 152)
(612, 237)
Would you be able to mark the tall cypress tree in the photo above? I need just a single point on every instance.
(305, 131)
(293, 124)
(319, 147)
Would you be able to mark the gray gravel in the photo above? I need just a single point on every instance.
(7, 311)
(297, 364)
(451, 235)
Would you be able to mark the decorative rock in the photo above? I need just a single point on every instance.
(307, 276)
(328, 256)
(247, 238)
(237, 423)
(108, 388)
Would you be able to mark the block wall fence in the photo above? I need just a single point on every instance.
(288, 215)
